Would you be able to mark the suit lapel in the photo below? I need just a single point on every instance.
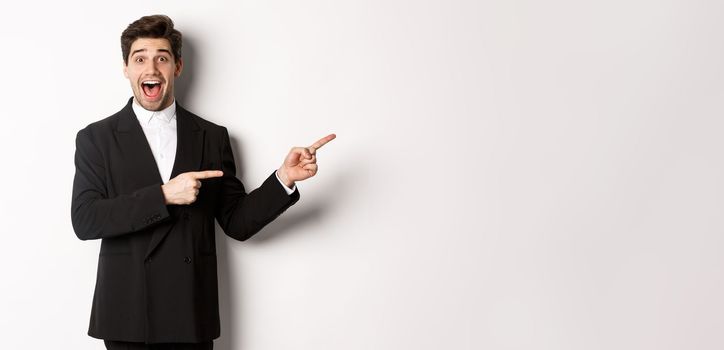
(190, 145)
(136, 151)
(134, 144)
(189, 151)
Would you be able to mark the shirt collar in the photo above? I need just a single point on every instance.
(145, 116)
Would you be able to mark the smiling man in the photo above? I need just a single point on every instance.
(149, 68)
(150, 180)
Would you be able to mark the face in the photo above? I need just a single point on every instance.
(151, 70)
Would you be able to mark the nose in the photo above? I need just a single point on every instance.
(151, 67)
(155, 67)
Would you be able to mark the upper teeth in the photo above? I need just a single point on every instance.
(152, 82)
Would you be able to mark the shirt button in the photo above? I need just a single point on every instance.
(187, 260)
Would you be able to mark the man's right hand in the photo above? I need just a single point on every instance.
(184, 188)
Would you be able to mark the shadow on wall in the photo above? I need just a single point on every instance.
(314, 209)
(184, 84)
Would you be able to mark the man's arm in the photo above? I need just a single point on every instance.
(242, 215)
(93, 214)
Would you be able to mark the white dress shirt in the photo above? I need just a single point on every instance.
(160, 130)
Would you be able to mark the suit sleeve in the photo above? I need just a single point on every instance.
(94, 215)
(242, 215)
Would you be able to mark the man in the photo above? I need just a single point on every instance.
(149, 182)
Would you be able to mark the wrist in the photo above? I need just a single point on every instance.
(282, 175)
(165, 195)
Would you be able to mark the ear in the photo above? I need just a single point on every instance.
(179, 67)
(125, 69)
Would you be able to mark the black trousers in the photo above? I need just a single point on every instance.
(122, 345)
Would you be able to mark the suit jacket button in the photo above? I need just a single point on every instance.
(187, 260)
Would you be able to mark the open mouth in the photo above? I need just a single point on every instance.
(151, 88)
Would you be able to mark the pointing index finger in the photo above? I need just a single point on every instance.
(323, 141)
(206, 174)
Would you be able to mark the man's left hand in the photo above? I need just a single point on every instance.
(301, 162)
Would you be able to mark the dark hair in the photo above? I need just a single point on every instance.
(155, 26)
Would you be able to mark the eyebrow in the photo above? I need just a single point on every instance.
(143, 50)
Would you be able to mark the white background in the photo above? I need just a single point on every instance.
(507, 174)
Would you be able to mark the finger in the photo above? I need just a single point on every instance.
(197, 184)
(207, 174)
(323, 141)
(297, 154)
(311, 167)
(308, 161)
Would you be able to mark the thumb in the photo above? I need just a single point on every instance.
(296, 154)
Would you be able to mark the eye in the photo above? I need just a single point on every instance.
(162, 59)
(139, 59)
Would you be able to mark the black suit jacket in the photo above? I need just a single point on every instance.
(156, 277)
